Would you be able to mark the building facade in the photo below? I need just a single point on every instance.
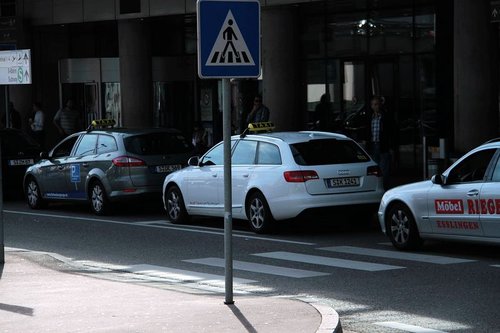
(434, 62)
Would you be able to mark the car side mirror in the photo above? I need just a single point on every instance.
(438, 179)
(194, 161)
(44, 155)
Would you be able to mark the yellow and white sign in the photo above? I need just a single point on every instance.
(15, 67)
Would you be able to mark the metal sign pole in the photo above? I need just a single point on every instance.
(7, 113)
(228, 217)
(7, 124)
(228, 47)
(2, 244)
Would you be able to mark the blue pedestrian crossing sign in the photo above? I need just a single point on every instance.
(228, 38)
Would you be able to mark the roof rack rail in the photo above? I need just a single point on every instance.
(492, 140)
(101, 123)
(261, 127)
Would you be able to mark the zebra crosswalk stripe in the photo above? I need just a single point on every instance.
(407, 328)
(326, 261)
(440, 260)
(259, 268)
(162, 272)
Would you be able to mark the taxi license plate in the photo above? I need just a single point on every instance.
(25, 161)
(167, 168)
(342, 182)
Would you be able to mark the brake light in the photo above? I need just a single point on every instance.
(127, 161)
(300, 176)
(374, 171)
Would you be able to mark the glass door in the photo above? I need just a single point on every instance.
(112, 102)
(91, 103)
(354, 96)
(362, 79)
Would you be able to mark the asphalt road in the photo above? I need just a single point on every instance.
(446, 287)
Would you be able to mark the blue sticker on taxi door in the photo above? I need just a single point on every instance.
(75, 173)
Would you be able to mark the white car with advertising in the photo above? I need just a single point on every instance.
(461, 204)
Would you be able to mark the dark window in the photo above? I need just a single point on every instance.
(472, 168)
(268, 153)
(244, 152)
(328, 151)
(8, 8)
(86, 145)
(157, 144)
(130, 6)
(14, 142)
(64, 148)
(214, 156)
(106, 144)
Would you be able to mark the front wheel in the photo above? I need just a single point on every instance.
(98, 200)
(174, 205)
(33, 195)
(259, 215)
(401, 228)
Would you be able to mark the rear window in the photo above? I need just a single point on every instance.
(157, 144)
(328, 151)
(16, 141)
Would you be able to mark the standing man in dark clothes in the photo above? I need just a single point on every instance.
(379, 137)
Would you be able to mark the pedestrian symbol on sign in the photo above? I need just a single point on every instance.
(230, 48)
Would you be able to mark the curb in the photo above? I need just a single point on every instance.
(330, 321)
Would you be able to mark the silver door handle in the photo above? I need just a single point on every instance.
(473, 193)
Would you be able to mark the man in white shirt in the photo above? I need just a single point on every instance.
(37, 124)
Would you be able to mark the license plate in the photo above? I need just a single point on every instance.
(342, 182)
(25, 161)
(167, 168)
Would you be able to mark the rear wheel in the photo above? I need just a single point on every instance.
(174, 205)
(259, 214)
(401, 228)
(99, 202)
(33, 194)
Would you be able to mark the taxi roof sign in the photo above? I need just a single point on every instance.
(261, 127)
(101, 123)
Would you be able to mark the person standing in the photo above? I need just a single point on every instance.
(200, 138)
(67, 119)
(14, 118)
(37, 124)
(259, 112)
(322, 113)
(379, 137)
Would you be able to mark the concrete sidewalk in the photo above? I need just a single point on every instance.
(34, 298)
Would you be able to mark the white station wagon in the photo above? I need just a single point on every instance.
(275, 176)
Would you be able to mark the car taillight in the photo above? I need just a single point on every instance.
(127, 161)
(300, 176)
(374, 171)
